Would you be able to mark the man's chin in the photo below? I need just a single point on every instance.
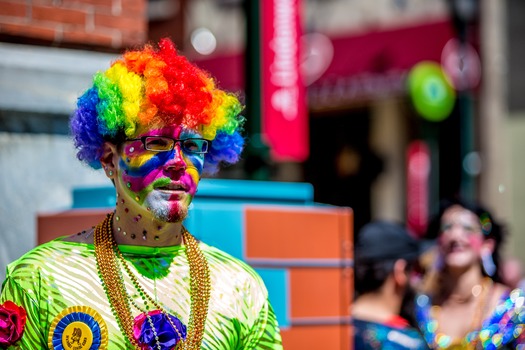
(167, 211)
(176, 218)
(171, 216)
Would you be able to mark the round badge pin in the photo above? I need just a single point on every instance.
(78, 328)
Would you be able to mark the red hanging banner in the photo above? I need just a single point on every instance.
(283, 92)
(418, 173)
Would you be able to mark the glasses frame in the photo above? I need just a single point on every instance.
(143, 139)
(445, 227)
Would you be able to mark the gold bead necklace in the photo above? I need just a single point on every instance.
(109, 258)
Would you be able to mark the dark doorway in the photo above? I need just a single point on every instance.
(342, 166)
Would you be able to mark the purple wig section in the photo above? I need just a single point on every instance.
(84, 127)
(225, 148)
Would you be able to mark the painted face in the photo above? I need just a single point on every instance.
(164, 182)
(461, 239)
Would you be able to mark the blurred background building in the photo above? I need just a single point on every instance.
(368, 147)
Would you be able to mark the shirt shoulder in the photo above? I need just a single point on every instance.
(43, 256)
(372, 335)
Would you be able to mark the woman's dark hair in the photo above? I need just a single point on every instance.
(491, 228)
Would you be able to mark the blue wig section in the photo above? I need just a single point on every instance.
(225, 148)
(84, 127)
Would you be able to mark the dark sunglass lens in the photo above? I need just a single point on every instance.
(159, 143)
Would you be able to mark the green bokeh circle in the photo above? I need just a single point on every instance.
(432, 95)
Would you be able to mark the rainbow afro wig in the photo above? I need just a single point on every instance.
(155, 86)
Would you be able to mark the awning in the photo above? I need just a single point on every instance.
(363, 67)
(375, 64)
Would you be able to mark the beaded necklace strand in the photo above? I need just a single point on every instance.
(110, 259)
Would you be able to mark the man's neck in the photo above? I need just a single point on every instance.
(136, 227)
(380, 306)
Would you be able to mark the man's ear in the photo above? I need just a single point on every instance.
(400, 273)
(109, 158)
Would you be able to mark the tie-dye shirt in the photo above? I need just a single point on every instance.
(59, 287)
(371, 336)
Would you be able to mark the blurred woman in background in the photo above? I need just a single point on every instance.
(464, 305)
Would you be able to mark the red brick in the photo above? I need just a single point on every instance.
(67, 5)
(94, 38)
(73, 27)
(317, 336)
(106, 3)
(102, 6)
(128, 23)
(59, 14)
(73, 3)
(116, 7)
(38, 32)
(134, 8)
(42, 2)
(137, 2)
(13, 9)
(133, 38)
(138, 31)
(88, 2)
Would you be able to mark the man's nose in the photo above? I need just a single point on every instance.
(176, 161)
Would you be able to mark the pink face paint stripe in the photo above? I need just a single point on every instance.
(190, 183)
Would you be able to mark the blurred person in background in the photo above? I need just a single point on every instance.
(154, 123)
(464, 304)
(385, 254)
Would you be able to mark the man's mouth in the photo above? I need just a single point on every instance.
(173, 187)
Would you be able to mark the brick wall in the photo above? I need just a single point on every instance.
(111, 24)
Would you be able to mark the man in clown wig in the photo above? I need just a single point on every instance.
(154, 123)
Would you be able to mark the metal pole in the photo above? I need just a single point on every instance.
(467, 125)
(463, 14)
(256, 153)
(494, 189)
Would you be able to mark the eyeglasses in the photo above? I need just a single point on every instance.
(166, 144)
(468, 228)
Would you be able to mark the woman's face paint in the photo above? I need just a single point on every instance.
(461, 238)
(163, 183)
